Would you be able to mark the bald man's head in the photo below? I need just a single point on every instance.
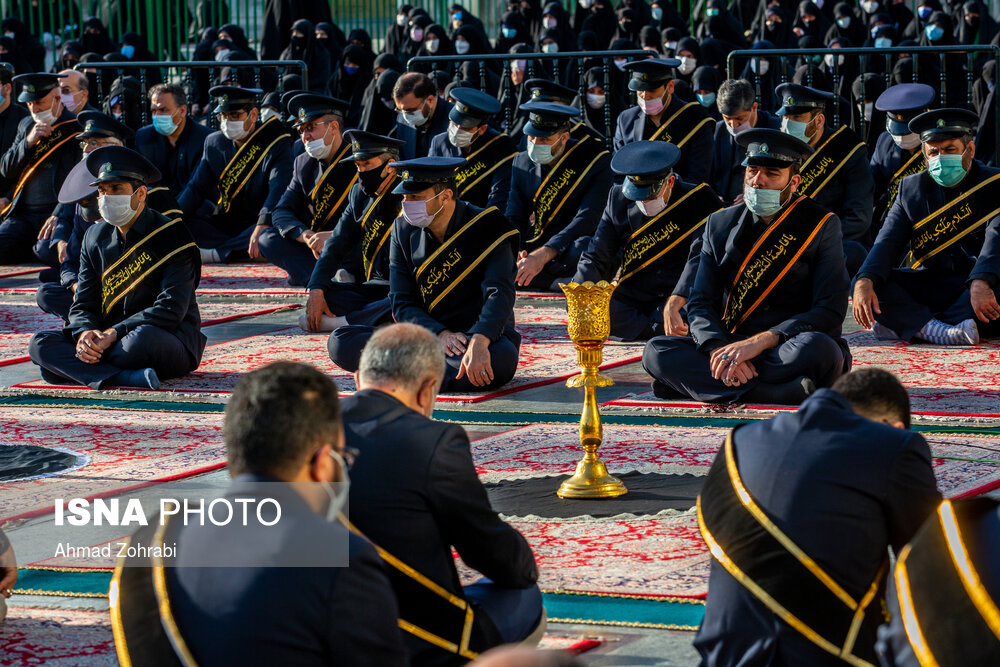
(74, 90)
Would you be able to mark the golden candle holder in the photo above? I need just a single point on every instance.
(589, 307)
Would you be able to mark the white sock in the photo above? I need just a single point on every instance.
(939, 333)
(209, 256)
(327, 323)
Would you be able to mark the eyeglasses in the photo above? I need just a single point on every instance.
(233, 115)
(309, 127)
(90, 143)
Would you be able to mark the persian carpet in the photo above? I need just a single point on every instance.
(115, 450)
(253, 278)
(57, 638)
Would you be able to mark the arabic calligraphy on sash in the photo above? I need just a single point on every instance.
(827, 161)
(248, 158)
(955, 220)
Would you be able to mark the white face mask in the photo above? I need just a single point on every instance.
(651, 207)
(828, 59)
(620, 64)
(687, 65)
(44, 117)
(672, 46)
(401, 20)
(551, 47)
(520, 65)
(461, 48)
(550, 22)
(116, 209)
(432, 45)
(233, 130)
(221, 55)
(869, 108)
(595, 101)
(268, 113)
(459, 137)
(414, 118)
(586, 3)
(69, 101)
(763, 66)
(318, 148)
(907, 142)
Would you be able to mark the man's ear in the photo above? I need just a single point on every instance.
(670, 87)
(820, 121)
(795, 180)
(972, 150)
(321, 466)
(426, 395)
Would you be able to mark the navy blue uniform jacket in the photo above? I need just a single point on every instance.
(976, 255)
(695, 165)
(343, 249)
(10, 120)
(811, 297)
(166, 299)
(187, 153)
(673, 274)
(258, 197)
(843, 488)
(291, 216)
(500, 180)
(487, 303)
(577, 218)
(727, 169)
(283, 615)
(52, 173)
(418, 139)
(851, 195)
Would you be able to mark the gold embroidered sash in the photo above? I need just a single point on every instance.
(568, 173)
(136, 264)
(684, 124)
(827, 160)
(329, 197)
(376, 227)
(955, 220)
(248, 158)
(473, 179)
(44, 149)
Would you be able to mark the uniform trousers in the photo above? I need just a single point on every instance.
(634, 320)
(293, 256)
(910, 299)
(854, 256)
(515, 612)
(146, 346)
(19, 243)
(55, 298)
(677, 362)
(230, 242)
(346, 344)
(363, 304)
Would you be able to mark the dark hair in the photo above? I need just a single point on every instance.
(278, 416)
(177, 92)
(876, 394)
(419, 84)
(735, 95)
(6, 75)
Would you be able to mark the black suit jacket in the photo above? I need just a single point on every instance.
(155, 147)
(415, 493)
(9, 120)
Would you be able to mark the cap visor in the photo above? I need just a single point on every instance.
(410, 188)
(898, 128)
(77, 185)
(645, 86)
(533, 131)
(636, 192)
(765, 162)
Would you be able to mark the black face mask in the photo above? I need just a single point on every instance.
(973, 22)
(299, 42)
(89, 211)
(370, 180)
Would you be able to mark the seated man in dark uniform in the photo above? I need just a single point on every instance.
(662, 116)
(770, 295)
(651, 229)
(291, 589)
(543, 90)
(897, 152)
(942, 596)
(359, 245)
(739, 109)
(243, 172)
(837, 175)
(415, 494)
(451, 270)
(423, 114)
(837, 482)
(134, 319)
(8, 573)
(174, 140)
(11, 115)
(55, 295)
(946, 225)
(559, 186)
(317, 195)
(485, 179)
(37, 163)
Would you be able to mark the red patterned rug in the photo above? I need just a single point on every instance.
(245, 279)
(658, 556)
(15, 270)
(20, 320)
(57, 638)
(115, 450)
(941, 381)
(547, 356)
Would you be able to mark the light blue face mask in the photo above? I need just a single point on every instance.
(762, 202)
(946, 170)
(164, 124)
(711, 12)
(509, 33)
(882, 42)
(657, 13)
(843, 22)
(707, 99)
(539, 153)
(934, 32)
(924, 12)
(128, 50)
(795, 128)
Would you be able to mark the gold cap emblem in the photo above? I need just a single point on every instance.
(940, 122)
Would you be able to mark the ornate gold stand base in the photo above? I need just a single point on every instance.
(591, 481)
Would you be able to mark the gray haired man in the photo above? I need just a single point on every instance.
(737, 103)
